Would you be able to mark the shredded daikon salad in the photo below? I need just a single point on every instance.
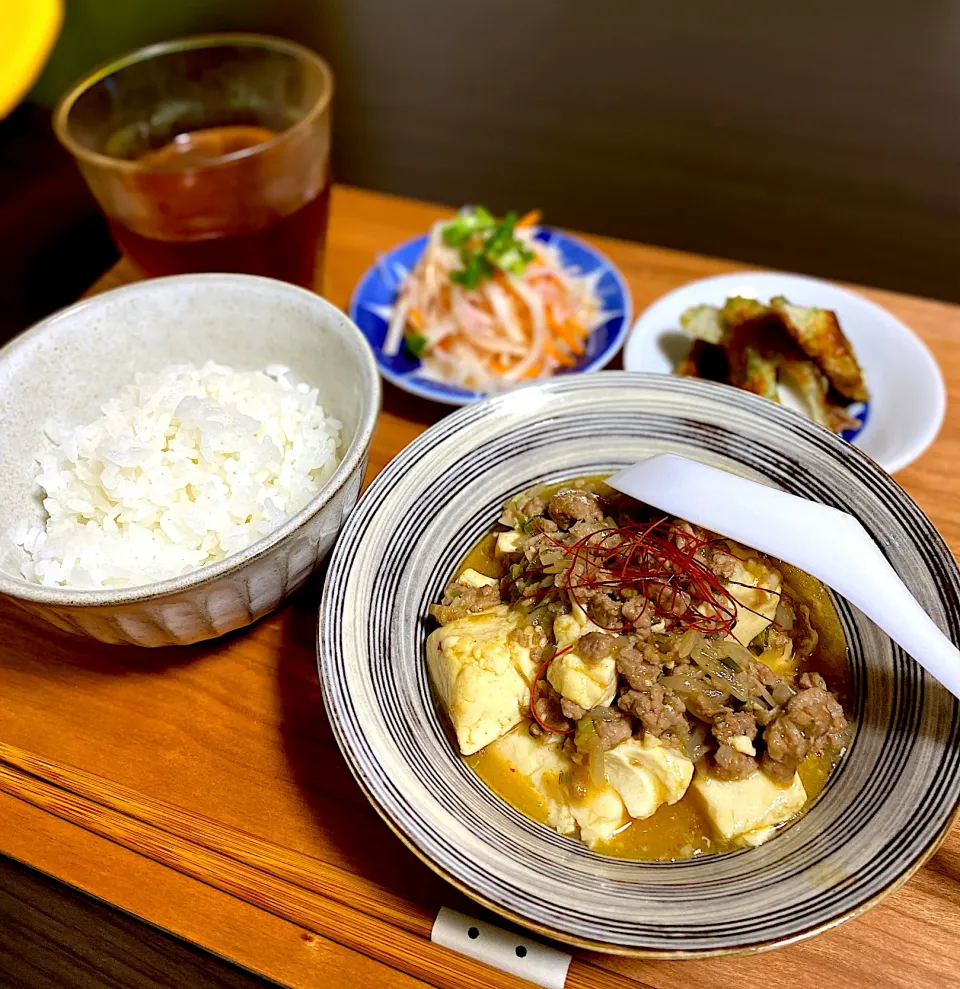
(489, 306)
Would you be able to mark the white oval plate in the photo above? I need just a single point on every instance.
(907, 395)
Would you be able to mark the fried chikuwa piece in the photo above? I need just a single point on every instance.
(706, 361)
(809, 382)
(717, 326)
(704, 323)
(753, 346)
(818, 334)
(738, 311)
(751, 366)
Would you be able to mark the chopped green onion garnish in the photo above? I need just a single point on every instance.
(485, 246)
(416, 343)
(475, 268)
(465, 223)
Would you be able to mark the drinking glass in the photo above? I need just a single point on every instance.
(209, 154)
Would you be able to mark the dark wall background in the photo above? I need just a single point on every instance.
(821, 136)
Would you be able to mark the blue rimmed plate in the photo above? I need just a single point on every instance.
(376, 293)
(883, 811)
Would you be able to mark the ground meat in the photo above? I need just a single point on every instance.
(816, 712)
(533, 506)
(732, 725)
(459, 601)
(549, 707)
(812, 720)
(613, 729)
(729, 764)
(758, 675)
(668, 599)
(525, 635)
(596, 646)
(570, 505)
(586, 527)
(639, 665)
(637, 611)
(531, 546)
(786, 749)
(718, 560)
(605, 611)
(570, 710)
(805, 636)
(659, 711)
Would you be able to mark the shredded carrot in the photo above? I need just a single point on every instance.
(533, 371)
(415, 319)
(562, 358)
(530, 219)
(567, 333)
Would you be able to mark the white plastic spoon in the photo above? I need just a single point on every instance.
(825, 542)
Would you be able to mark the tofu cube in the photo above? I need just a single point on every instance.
(509, 542)
(586, 684)
(747, 811)
(473, 578)
(647, 774)
(481, 675)
(759, 598)
(599, 815)
(540, 762)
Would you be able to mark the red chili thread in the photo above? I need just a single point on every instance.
(533, 694)
(648, 557)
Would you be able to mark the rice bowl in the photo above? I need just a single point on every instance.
(69, 365)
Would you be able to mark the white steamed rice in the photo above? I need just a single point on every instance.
(187, 466)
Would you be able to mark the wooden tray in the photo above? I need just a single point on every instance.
(201, 790)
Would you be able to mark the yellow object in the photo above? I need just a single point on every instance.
(759, 593)
(473, 578)
(586, 684)
(509, 542)
(28, 29)
(647, 774)
(481, 676)
(599, 815)
(641, 776)
(748, 811)
(742, 743)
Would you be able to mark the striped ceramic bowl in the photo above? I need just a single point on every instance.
(883, 811)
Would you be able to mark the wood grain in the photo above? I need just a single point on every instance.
(378, 939)
(321, 898)
(214, 765)
(50, 939)
(278, 949)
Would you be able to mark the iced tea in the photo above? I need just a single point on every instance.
(209, 154)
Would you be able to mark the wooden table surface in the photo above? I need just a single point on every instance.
(200, 788)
